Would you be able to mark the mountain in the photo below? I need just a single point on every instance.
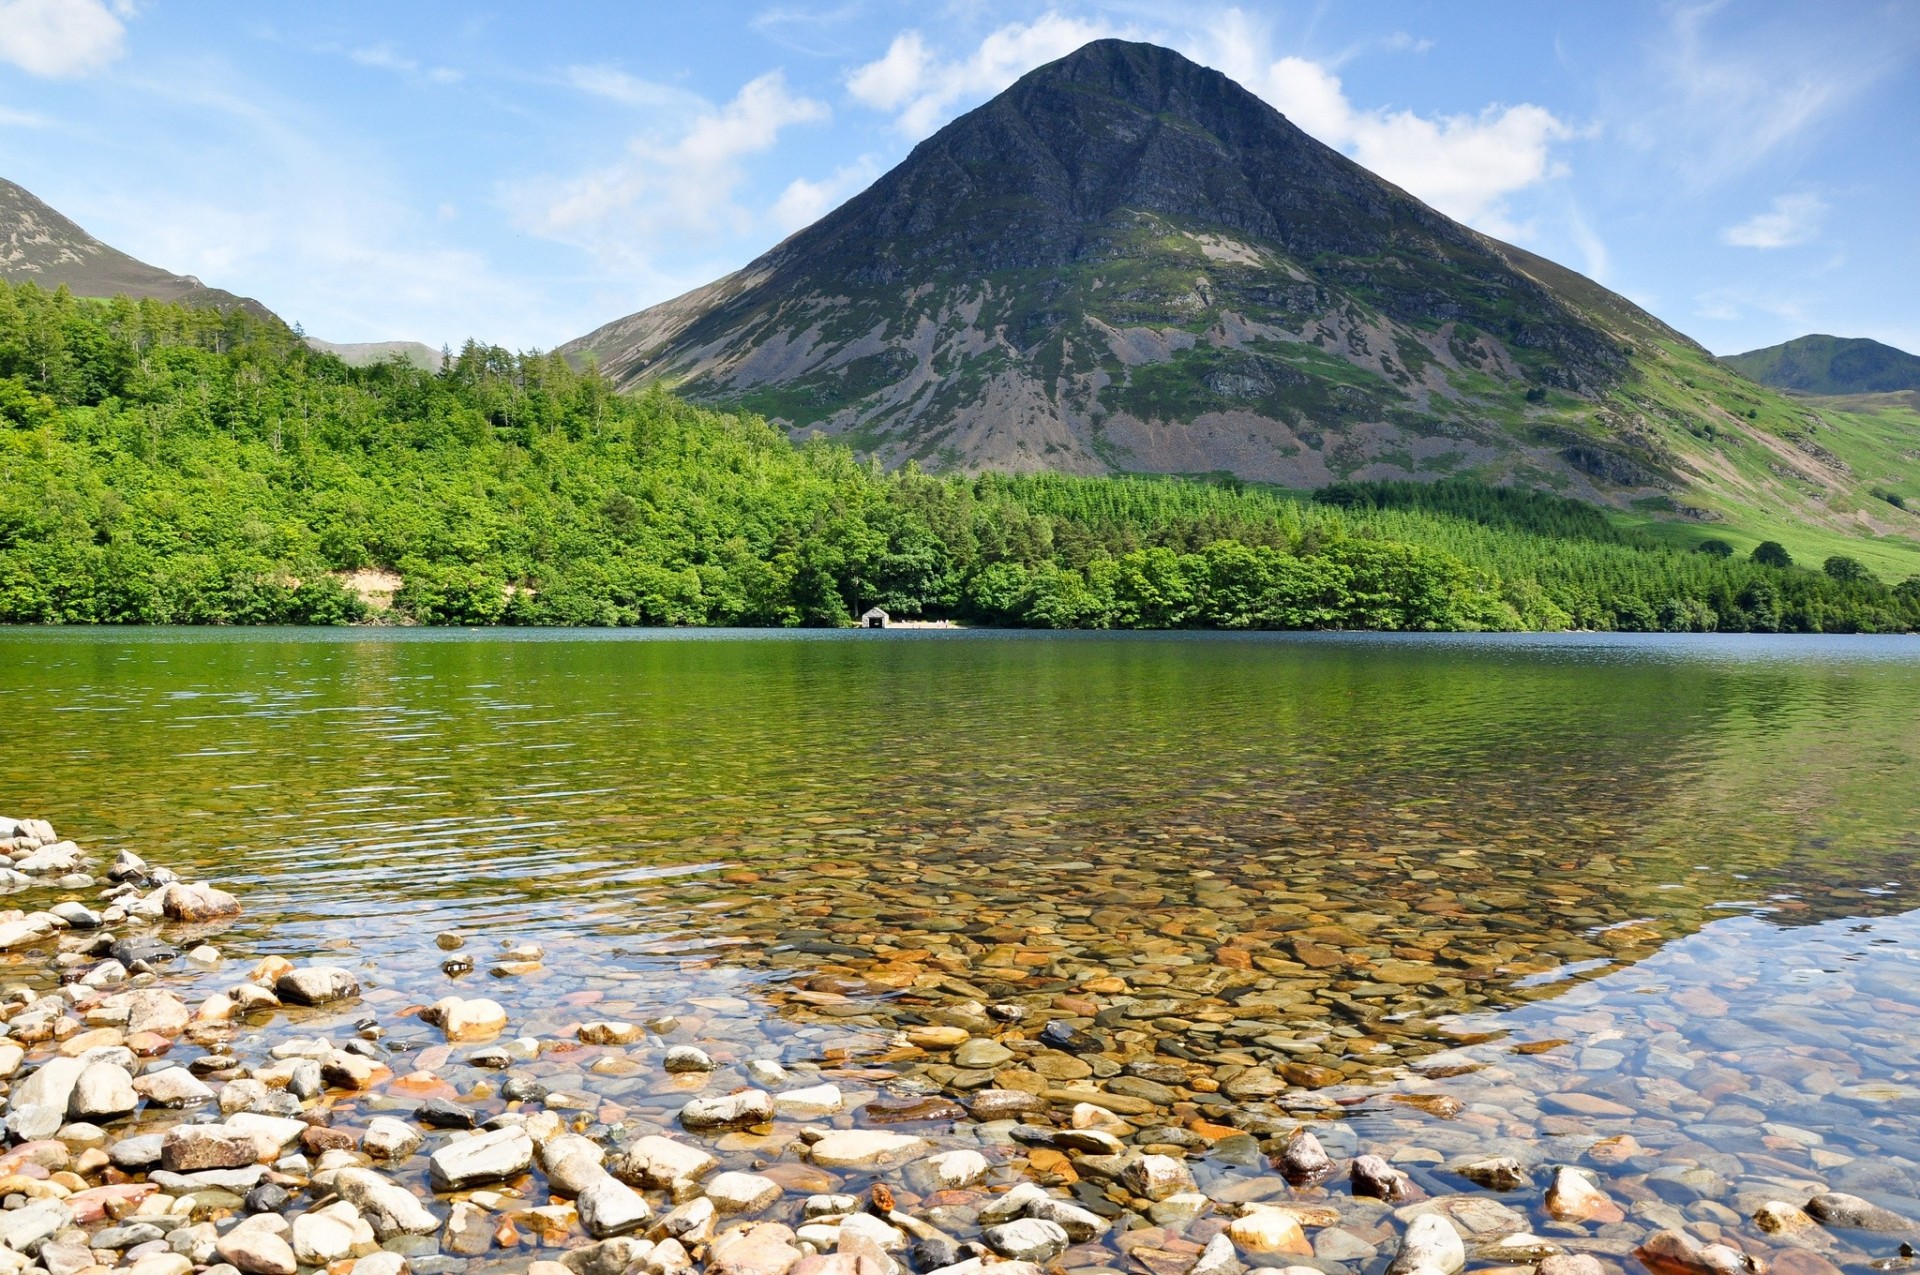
(1128, 262)
(1830, 365)
(367, 353)
(39, 244)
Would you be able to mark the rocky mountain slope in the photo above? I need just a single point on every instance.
(1127, 262)
(39, 244)
(1830, 365)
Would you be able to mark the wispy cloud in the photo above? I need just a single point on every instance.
(383, 57)
(1718, 97)
(643, 209)
(309, 227)
(809, 29)
(614, 85)
(1464, 165)
(11, 118)
(57, 39)
(1793, 219)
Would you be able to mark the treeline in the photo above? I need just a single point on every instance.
(166, 465)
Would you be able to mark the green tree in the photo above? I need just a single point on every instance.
(1846, 570)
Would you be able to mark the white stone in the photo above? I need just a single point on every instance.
(1027, 1239)
(486, 1157)
(387, 1206)
(320, 1239)
(608, 1206)
(104, 1091)
(1430, 1247)
(658, 1161)
(25, 1228)
(172, 1087)
(272, 1134)
(953, 1170)
(1156, 1176)
(390, 1139)
(741, 1192)
(806, 1104)
(867, 1149)
(729, 1111)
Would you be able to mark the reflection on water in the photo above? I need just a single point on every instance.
(1310, 877)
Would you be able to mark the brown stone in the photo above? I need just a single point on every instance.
(200, 902)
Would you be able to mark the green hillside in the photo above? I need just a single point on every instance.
(166, 464)
(1830, 365)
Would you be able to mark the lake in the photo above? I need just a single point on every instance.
(1639, 904)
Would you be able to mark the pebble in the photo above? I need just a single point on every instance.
(1027, 1239)
(867, 1149)
(485, 1157)
(729, 1111)
(609, 1207)
(1430, 1246)
(741, 1192)
(316, 985)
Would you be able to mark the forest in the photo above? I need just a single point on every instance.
(166, 465)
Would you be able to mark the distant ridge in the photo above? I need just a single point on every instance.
(367, 353)
(1830, 365)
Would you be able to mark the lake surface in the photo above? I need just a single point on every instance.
(1366, 882)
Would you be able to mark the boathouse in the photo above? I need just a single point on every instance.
(874, 618)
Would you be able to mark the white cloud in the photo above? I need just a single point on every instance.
(629, 212)
(804, 202)
(59, 38)
(1465, 164)
(924, 89)
(1793, 219)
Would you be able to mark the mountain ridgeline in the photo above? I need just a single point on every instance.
(1128, 262)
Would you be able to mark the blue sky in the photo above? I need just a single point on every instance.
(1748, 170)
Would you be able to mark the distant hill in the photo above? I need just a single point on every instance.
(39, 244)
(1830, 365)
(367, 353)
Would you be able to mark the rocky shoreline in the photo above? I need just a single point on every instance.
(173, 1106)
